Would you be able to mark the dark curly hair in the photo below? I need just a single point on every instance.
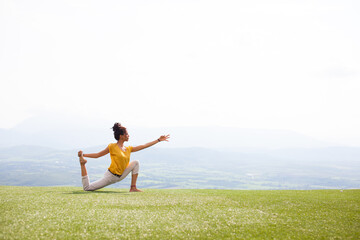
(118, 130)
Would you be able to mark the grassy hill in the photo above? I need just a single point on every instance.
(70, 213)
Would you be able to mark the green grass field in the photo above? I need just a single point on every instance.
(70, 213)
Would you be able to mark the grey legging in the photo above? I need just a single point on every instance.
(109, 178)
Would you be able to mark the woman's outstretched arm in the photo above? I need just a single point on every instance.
(149, 144)
(95, 155)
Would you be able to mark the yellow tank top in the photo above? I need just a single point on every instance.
(119, 159)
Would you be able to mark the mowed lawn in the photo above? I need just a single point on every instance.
(71, 213)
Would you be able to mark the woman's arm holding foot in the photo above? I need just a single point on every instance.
(96, 155)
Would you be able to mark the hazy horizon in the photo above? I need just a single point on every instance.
(71, 132)
(287, 66)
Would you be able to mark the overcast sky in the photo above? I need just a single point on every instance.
(292, 65)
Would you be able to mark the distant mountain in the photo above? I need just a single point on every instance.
(64, 132)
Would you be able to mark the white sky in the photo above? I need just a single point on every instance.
(250, 64)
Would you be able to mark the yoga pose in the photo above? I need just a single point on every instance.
(120, 158)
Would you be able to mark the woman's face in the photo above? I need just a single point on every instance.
(125, 137)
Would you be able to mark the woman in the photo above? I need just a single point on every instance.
(120, 157)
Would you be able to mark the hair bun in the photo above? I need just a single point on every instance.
(116, 126)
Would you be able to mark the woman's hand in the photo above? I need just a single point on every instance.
(164, 138)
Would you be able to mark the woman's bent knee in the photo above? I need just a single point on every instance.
(136, 167)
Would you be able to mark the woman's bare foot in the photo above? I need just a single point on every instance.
(81, 158)
(134, 189)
